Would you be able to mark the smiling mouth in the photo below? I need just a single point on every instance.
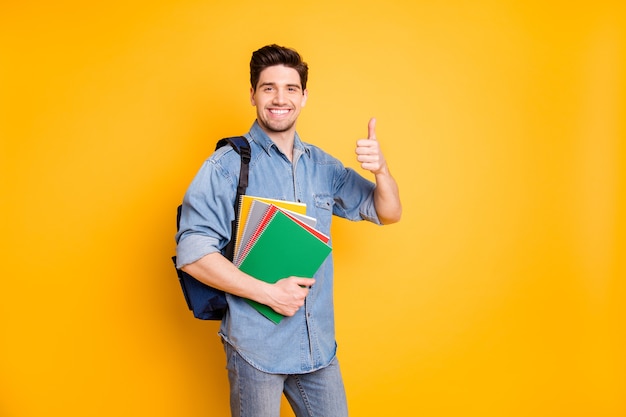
(279, 112)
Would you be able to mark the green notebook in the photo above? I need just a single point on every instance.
(282, 248)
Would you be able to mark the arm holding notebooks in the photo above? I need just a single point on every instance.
(285, 296)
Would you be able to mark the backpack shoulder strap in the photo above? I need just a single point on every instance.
(242, 147)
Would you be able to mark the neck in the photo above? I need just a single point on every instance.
(283, 141)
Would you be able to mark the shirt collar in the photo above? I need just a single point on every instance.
(260, 137)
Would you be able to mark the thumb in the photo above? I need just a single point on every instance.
(371, 129)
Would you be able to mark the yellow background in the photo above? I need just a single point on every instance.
(501, 292)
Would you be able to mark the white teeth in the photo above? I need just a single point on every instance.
(279, 111)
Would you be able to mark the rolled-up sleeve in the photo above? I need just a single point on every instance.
(207, 212)
(193, 248)
(354, 197)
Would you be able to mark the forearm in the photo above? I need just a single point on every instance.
(387, 198)
(285, 297)
(218, 272)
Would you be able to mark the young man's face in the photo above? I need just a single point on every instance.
(278, 99)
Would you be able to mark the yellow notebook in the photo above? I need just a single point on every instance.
(244, 211)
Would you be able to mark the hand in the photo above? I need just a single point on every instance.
(368, 151)
(288, 294)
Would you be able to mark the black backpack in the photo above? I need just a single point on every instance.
(208, 303)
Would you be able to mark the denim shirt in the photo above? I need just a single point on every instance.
(304, 342)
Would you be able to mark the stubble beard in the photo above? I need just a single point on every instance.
(277, 126)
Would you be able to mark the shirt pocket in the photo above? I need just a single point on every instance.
(323, 212)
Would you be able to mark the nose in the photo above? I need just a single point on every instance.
(279, 97)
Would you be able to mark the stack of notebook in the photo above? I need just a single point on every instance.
(275, 240)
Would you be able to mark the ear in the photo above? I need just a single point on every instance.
(252, 100)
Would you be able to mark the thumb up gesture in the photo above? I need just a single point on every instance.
(368, 151)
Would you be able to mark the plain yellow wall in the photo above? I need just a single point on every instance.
(501, 292)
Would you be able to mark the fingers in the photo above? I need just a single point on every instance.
(367, 150)
(304, 282)
(288, 294)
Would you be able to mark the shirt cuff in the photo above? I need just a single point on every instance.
(371, 216)
(368, 211)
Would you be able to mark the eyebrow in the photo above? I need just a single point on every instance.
(271, 84)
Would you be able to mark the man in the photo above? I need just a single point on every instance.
(296, 356)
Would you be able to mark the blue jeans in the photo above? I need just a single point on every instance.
(254, 393)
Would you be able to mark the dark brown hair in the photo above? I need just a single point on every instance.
(272, 55)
